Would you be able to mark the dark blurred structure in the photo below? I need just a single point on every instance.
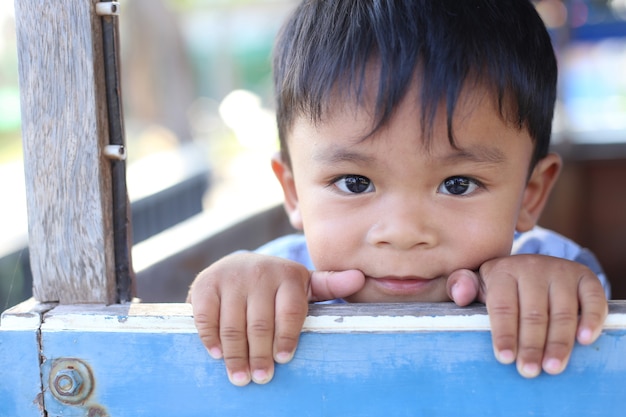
(589, 202)
(588, 205)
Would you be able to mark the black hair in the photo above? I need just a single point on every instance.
(499, 44)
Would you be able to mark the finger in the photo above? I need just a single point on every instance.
(260, 334)
(330, 285)
(291, 310)
(206, 315)
(233, 336)
(594, 309)
(533, 326)
(503, 307)
(563, 316)
(463, 287)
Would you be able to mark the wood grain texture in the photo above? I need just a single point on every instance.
(64, 128)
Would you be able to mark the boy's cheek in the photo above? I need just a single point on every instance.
(330, 243)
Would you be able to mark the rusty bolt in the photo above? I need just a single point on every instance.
(68, 382)
(71, 380)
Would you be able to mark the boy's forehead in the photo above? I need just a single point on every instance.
(346, 132)
(345, 104)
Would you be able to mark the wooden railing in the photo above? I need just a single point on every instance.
(356, 360)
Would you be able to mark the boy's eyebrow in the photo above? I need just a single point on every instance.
(478, 154)
(481, 154)
(335, 155)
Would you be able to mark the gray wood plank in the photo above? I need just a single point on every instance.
(64, 128)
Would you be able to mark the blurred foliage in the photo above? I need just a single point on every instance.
(10, 146)
(15, 284)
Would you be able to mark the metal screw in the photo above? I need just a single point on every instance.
(68, 382)
(71, 381)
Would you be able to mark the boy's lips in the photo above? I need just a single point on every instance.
(401, 285)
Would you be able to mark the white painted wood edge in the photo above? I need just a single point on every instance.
(177, 318)
(24, 316)
(131, 317)
(161, 321)
(409, 324)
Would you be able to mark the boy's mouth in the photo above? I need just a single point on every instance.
(402, 285)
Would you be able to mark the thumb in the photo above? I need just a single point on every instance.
(328, 285)
(464, 287)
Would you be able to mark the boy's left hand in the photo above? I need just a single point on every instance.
(534, 303)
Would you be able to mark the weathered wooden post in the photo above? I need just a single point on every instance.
(65, 132)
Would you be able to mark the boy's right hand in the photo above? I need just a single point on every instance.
(249, 309)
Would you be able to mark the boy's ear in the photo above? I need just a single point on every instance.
(537, 191)
(285, 177)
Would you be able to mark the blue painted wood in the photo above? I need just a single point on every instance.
(440, 373)
(445, 374)
(20, 381)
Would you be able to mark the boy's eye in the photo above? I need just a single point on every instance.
(354, 184)
(458, 186)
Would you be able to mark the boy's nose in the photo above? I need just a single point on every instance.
(404, 225)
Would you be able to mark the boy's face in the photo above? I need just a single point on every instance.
(407, 214)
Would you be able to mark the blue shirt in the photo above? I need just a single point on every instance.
(538, 241)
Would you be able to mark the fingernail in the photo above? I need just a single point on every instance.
(530, 370)
(553, 366)
(283, 357)
(585, 336)
(505, 356)
(454, 292)
(261, 376)
(240, 378)
(215, 353)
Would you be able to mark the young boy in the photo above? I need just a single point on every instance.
(414, 157)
